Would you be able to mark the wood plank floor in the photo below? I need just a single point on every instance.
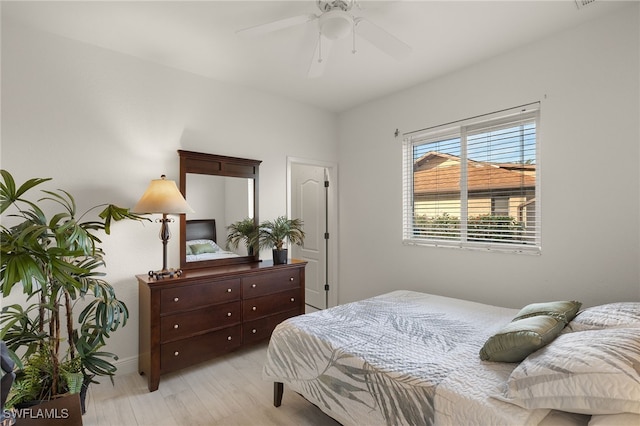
(228, 390)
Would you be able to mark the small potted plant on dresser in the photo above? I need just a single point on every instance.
(243, 231)
(56, 260)
(274, 233)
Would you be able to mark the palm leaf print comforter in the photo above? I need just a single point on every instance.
(403, 358)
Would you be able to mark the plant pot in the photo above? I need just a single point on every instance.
(280, 256)
(63, 411)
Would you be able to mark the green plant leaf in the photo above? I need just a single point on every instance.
(8, 192)
(115, 213)
(274, 233)
(74, 381)
(23, 268)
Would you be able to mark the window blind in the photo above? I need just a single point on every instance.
(474, 183)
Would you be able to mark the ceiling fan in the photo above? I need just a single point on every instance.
(336, 22)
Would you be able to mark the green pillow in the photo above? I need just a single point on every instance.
(565, 310)
(202, 248)
(189, 251)
(520, 338)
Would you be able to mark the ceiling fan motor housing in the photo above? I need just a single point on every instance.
(327, 5)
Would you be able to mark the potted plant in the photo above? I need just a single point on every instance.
(274, 233)
(243, 231)
(56, 259)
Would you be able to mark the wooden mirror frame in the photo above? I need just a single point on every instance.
(215, 165)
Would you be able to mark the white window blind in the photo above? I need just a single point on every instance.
(474, 183)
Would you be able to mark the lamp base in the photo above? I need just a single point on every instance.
(165, 273)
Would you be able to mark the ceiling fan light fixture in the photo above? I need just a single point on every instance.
(335, 24)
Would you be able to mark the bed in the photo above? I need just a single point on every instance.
(414, 358)
(201, 240)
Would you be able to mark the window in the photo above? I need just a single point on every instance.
(474, 183)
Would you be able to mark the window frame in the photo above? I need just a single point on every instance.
(460, 129)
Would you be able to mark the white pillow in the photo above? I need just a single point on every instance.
(623, 419)
(588, 372)
(619, 314)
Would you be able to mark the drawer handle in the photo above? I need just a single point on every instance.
(254, 308)
(293, 299)
(291, 279)
(254, 331)
(175, 326)
(176, 353)
(175, 299)
(229, 338)
(254, 285)
(228, 290)
(228, 314)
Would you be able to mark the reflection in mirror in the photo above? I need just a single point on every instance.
(221, 190)
(225, 199)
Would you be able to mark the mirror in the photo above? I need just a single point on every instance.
(221, 190)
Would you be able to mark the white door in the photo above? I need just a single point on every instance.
(309, 203)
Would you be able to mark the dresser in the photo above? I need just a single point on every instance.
(205, 313)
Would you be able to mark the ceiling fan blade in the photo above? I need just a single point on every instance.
(383, 40)
(277, 25)
(374, 4)
(320, 56)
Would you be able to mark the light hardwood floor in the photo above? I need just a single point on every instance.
(224, 391)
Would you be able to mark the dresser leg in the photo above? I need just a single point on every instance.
(154, 382)
(278, 390)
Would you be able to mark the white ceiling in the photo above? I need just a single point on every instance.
(200, 37)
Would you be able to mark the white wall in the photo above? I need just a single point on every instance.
(102, 125)
(587, 80)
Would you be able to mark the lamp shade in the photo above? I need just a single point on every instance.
(162, 196)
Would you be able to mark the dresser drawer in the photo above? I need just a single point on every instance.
(260, 285)
(181, 325)
(271, 304)
(199, 295)
(186, 352)
(254, 331)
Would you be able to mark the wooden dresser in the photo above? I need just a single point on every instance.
(208, 312)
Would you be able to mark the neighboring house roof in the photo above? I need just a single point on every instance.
(437, 173)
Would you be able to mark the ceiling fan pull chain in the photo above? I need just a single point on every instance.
(353, 32)
(319, 47)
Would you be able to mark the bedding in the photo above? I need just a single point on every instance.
(535, 326)
(200, 235)
(413, 358)
(402, 358)
(205, 249)
(590, 372)
(565, 310)
(610, 315)
(222, 254)
(521, 337)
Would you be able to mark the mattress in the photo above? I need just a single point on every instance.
(402, 358)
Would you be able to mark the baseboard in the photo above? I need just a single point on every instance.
(124, 366)
(127, 365)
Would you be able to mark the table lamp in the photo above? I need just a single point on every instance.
(163, 197)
